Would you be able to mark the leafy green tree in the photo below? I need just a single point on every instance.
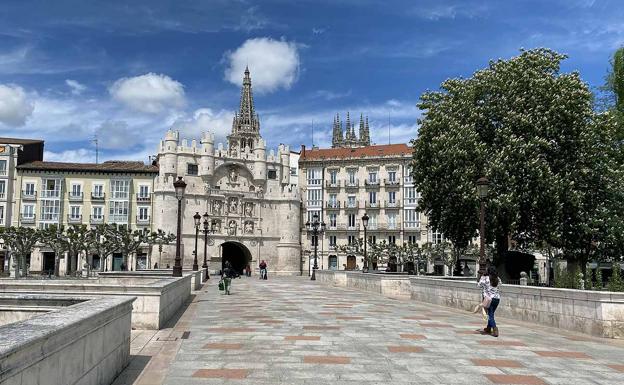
(128, 241)
(532, 131)
(616, 283)
(599, 282)
(21, 241)
(54, 238)
(160, 238)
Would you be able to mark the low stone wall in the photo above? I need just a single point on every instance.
(197, 277)
(157, 298)
(597, 313)
(85, 343)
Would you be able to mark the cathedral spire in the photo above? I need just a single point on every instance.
(337, 140)
(246, 125)
(365, 134)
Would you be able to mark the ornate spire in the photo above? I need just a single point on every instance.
(365, 134)
(337, 140)
(348, 137)
(246, 119)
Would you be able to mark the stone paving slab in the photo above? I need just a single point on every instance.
(294, 331)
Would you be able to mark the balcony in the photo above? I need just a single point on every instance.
(373, 205)
(27, 219)
(142, 220)
(96, 219)
(75, 196)
(55, 194)
(330, 184)
(391, 183)
(352, 205)
(371, 183)
(372, 226)
(408, 180)
(142, 198)
(412, 225)
(29, 195)
(391, 205)
(333, 205)
(389, 226)
(98, 197)
(354, 228)
(315, 182)
(118, 218)
(74, 218)
(355, 183)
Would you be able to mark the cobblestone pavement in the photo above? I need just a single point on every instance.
(294, 331)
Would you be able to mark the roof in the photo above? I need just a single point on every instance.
(379, 151)
(19, 141)
(108, 166)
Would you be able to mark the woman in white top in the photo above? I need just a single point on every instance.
(490, 284)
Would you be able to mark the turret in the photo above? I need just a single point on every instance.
(207, 162)
(259, 153)
(169, 163)
(284, 156)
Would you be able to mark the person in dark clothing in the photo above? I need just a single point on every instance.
(227, 274)
(263, 270)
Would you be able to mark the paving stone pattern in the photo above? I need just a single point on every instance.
(294, 331)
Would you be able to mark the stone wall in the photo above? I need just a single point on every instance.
(157, 298)
(85, 343)
(597, 313)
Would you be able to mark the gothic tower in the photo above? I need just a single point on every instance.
(245, 125)
(364, 132)
(337, 140)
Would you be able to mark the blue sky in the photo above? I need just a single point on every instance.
(128, 71)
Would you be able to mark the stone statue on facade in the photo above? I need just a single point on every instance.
(232, 227)
(249, 226)
(216, 207)
(233, 205)
(233, 174)
(248, 209)
(216, 225)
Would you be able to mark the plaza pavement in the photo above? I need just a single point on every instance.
(294, 331)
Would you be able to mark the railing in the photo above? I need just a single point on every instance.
(74, 218)
(315, 182)
(143, 198)
(118, 218)
(333, 205)
(330, 184)
(50, 193)
(390, 204)
(75, 196)
(29, 195)
(142, 220)
(352, 205)
(120, 195)
(412, 225)
(352, 183)
(50, 217)
(391, 183)
(372, 226)
(353, 228)
(3, 172)
(98, 197)
(96, 219)
(373, 205)
(27, 218)
(371, 183)
(343, 227)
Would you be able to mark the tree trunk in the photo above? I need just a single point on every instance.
(57, 263)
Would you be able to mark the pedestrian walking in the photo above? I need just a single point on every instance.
(490, 283)
(226, 278)
(263, 269)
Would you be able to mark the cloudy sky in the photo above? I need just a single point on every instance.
(70, 70)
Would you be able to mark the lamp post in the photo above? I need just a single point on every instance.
(179, 186)
(482, 192)
(207, 229)
(365, 224)
(315, 228)
(197, 220)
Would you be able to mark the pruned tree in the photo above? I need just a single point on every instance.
(21, 241)
(128, 241)
(79, 240)
(160, 238)
(103, 242)
(54, 238)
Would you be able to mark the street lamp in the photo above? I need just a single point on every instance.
(482, 191)
(315, 228)
(365, 224)
(179, 186)
(197, 220)
(207, 229)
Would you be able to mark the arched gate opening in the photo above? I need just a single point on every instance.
(237, 254)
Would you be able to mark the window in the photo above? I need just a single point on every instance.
(372, 221)
(120, 189)
(332, 219)
(118, 211)
(351, 239)
(293, 171)
(98, 190)
(412, 218)
(372, 176)
(372, 239)
(28, 211)
(351, 201)
(392, 197)
(333, 200)
(76, 190)
(52, 188)
(392, 176)
(314, 177)
(351, 220)
(1, 214)
(392, 220)
(372, 197)
(435, 237)
(333, 177)
(272, 174)
(351, 176)
(143, 214)
(29, 189)
(143, 191)
(332, 240)
(412, 239)
(392, 239)
(314, 198)
(50, 210)
(408, 175)
(74, 212)
(192, 169)
(411, 197)
(311, 215)
(98, 212)
(2, 189)
(3, 167)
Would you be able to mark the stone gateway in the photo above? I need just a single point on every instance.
(254, 209)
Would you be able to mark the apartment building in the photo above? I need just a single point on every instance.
(55, 193)
(340, 184)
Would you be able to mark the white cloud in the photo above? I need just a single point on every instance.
(205, 119)
(80, 155)
(273, 63)
(76, 87)
(151, 93)
(15, 107)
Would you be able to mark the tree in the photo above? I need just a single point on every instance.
(129, 241)
(160, 238)
(54, 238)
(532, 131)
(103, 242)
(21, 241)
(79, 239)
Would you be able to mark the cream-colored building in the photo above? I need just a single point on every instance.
(342, 183)
(247, 192)
(55, 193)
